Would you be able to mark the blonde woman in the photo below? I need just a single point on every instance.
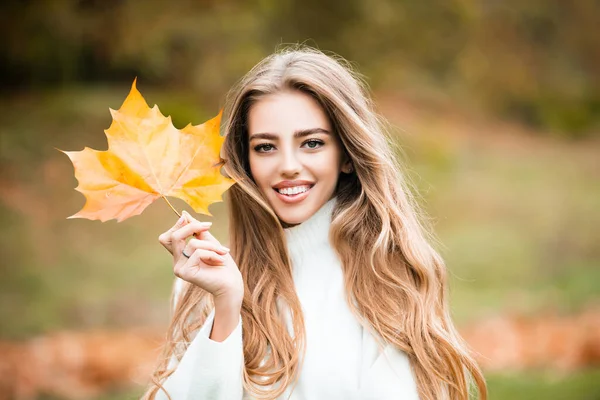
(331, 289)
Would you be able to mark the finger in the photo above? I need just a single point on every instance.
(165, 237)
(194, 244)
(194, 267)
(180, 222)
(189, 218)
(208, 257)
(204, 235)
(188, 230)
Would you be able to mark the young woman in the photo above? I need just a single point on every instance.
(331, 289)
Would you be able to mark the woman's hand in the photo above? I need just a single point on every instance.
(210, 265)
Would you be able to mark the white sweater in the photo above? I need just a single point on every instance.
(343, 360)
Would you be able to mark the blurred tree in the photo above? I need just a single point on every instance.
(537, 61)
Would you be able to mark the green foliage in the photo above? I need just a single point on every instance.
(515, 218)
(545, 385)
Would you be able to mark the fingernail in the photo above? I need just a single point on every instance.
(180, 220)
(207, 223)
(225, 248)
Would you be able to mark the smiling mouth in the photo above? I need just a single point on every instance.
(294, 193)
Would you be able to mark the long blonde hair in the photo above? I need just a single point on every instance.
(395, 281)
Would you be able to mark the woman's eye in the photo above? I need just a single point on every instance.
(313, 142)
(260, 147)
(267, 148)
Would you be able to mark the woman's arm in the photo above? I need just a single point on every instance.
(209, 369)
(227, 318)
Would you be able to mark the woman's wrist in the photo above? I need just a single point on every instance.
(227, 315)
(228, 303)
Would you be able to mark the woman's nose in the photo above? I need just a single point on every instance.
(290, 163)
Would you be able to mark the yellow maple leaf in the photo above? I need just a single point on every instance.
(148, 158)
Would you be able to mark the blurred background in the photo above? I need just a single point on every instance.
(495, 105)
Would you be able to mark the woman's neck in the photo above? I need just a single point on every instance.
(313, 231)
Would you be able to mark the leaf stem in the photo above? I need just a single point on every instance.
(172, 208)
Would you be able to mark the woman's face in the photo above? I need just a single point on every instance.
(293, 148)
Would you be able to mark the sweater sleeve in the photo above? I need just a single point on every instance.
(208, 369)
(390, 377)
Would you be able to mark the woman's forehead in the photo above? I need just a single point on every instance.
(286, 113)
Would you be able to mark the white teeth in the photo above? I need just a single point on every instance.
(294, 190)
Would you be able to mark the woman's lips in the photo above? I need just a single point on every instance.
(295, 198)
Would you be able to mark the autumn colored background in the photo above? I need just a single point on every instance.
(496, 106)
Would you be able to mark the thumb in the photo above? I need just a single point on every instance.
(204, 235)
(187, 217)
(180, 222)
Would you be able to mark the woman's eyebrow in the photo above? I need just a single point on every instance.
(297, 134)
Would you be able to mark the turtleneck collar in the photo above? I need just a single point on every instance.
(315, 230)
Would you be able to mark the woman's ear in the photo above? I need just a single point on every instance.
(347, 166)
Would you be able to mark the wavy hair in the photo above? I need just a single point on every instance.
(395, 281)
